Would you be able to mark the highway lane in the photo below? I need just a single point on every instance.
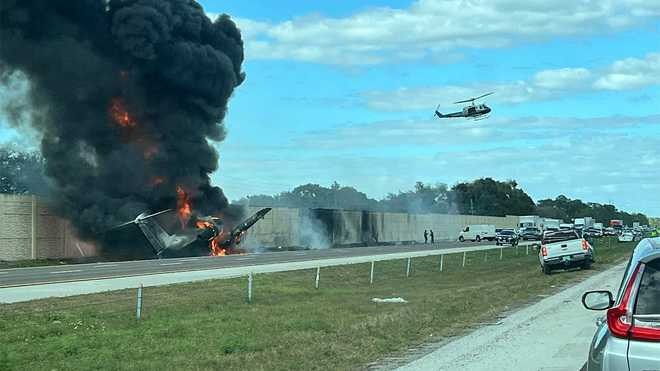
(96, 271)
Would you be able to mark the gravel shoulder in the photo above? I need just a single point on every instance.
(553, 334)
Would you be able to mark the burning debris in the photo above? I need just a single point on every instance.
(127, 95)
(167, 239)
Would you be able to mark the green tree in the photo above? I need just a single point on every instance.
(487, 196)
(22, 172)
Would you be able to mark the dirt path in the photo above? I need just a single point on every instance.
(553, 334)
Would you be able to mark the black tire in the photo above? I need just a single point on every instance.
(461, 239)
(586, 264)
(478, 238)
(546, 269)
(497, 243)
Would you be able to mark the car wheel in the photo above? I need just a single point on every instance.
(478, 238)
(546, 269)
(461, 239)
(586, 264)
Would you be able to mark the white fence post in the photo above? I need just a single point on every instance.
(249, 293)
(138, 310)
(464, 254)
(408, 267)
(318, 274)
(441, 261)
(527, 250)
(371, 275)
(501, 252)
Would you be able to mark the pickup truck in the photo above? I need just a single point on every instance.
(564, 249)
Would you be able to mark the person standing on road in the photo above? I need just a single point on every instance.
(431, 233)
(426, 237)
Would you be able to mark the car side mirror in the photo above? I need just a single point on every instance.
(597, 300)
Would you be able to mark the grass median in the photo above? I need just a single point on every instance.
(290, 324)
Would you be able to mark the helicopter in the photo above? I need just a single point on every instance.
(471, 111)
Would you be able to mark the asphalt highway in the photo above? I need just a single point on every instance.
(97, 271)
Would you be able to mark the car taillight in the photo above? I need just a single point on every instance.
(644, 333)
(619, 318)
(544, 250)
(585, 245)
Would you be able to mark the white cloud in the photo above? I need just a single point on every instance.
(631, 73)
(433, 28)
(625, 74)
(564, 78)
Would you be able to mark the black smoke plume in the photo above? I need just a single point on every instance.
(126, 95)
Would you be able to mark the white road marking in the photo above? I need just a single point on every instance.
(189, 260)
(163, 264)
(4, 272)
(106, 265)
(71, 271)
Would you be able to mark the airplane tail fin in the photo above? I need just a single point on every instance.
(440, 115)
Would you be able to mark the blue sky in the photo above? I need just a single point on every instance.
(344, 91)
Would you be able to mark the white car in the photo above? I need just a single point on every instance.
(627, 237)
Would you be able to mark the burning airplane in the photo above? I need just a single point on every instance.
(128, 98)
(166, 237)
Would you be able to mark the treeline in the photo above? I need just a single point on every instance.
(484, 196)
(22, 173)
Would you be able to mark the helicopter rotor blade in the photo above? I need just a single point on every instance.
(485, 95)
(475, 98)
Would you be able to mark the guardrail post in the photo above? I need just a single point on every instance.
(441, 261)
(408, 267)
(371, 274)
(249, 288)
(318, 274)
(501, 252)
(527, 250)
(516, 250)
(138, 309)
(464, 255)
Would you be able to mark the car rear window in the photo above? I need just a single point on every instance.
(648, 296)
(559, 236)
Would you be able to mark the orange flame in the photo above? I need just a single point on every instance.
(183, 207)
(120, 114)
(216, 249)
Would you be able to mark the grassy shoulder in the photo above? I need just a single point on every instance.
(290, 324)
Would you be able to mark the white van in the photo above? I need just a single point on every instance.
(478, 232)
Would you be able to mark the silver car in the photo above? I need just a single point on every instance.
(628, 337)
